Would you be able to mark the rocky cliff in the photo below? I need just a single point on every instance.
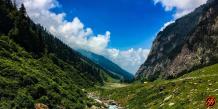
(189, 43)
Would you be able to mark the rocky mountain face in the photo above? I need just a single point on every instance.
(189, 43)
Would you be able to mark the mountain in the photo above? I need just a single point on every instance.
(189, 43)
(36, 67)
(112, 68)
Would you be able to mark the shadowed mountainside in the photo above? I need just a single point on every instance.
(112, 68)
(189, 43)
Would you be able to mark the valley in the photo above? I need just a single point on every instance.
(188, 91)
(39, 70)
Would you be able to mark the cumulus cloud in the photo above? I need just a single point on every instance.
(182, 7)
(76, 35)
(130, 59)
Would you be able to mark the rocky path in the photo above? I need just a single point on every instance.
(106, 103)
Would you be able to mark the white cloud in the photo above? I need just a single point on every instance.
(76, 35)
(130, 59)
(182, 7)
(166, 24)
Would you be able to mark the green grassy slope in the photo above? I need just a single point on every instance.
(187, 92)
(26, 81)
(36, 67)
(37, 42)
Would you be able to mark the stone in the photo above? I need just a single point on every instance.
(40, 106)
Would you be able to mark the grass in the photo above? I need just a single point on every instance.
(187, 92)
(26, 81)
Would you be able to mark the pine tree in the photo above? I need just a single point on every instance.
(14, 4)
(9, 3)
(5, 14)
(26, 34)
(22, 10)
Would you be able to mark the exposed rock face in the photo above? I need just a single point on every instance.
(189, 43)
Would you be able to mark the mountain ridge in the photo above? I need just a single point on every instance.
(178, 49)
(110, 66)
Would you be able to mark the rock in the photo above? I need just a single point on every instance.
(98, 101)
(40, 106)
(162, 105)
(161, 88)
(167, 98)
(94, 107)
(106, 105)
(215, 90)
(175, 91)
(171, 104)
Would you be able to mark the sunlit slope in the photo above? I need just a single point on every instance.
(187, 92)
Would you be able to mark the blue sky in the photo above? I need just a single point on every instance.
(120, 30)
(132, 23)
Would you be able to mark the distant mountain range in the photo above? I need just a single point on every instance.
(113, 69)
(189, 43)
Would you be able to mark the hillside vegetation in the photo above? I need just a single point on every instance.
(36, 67)
(187, 92)
(26, 81)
